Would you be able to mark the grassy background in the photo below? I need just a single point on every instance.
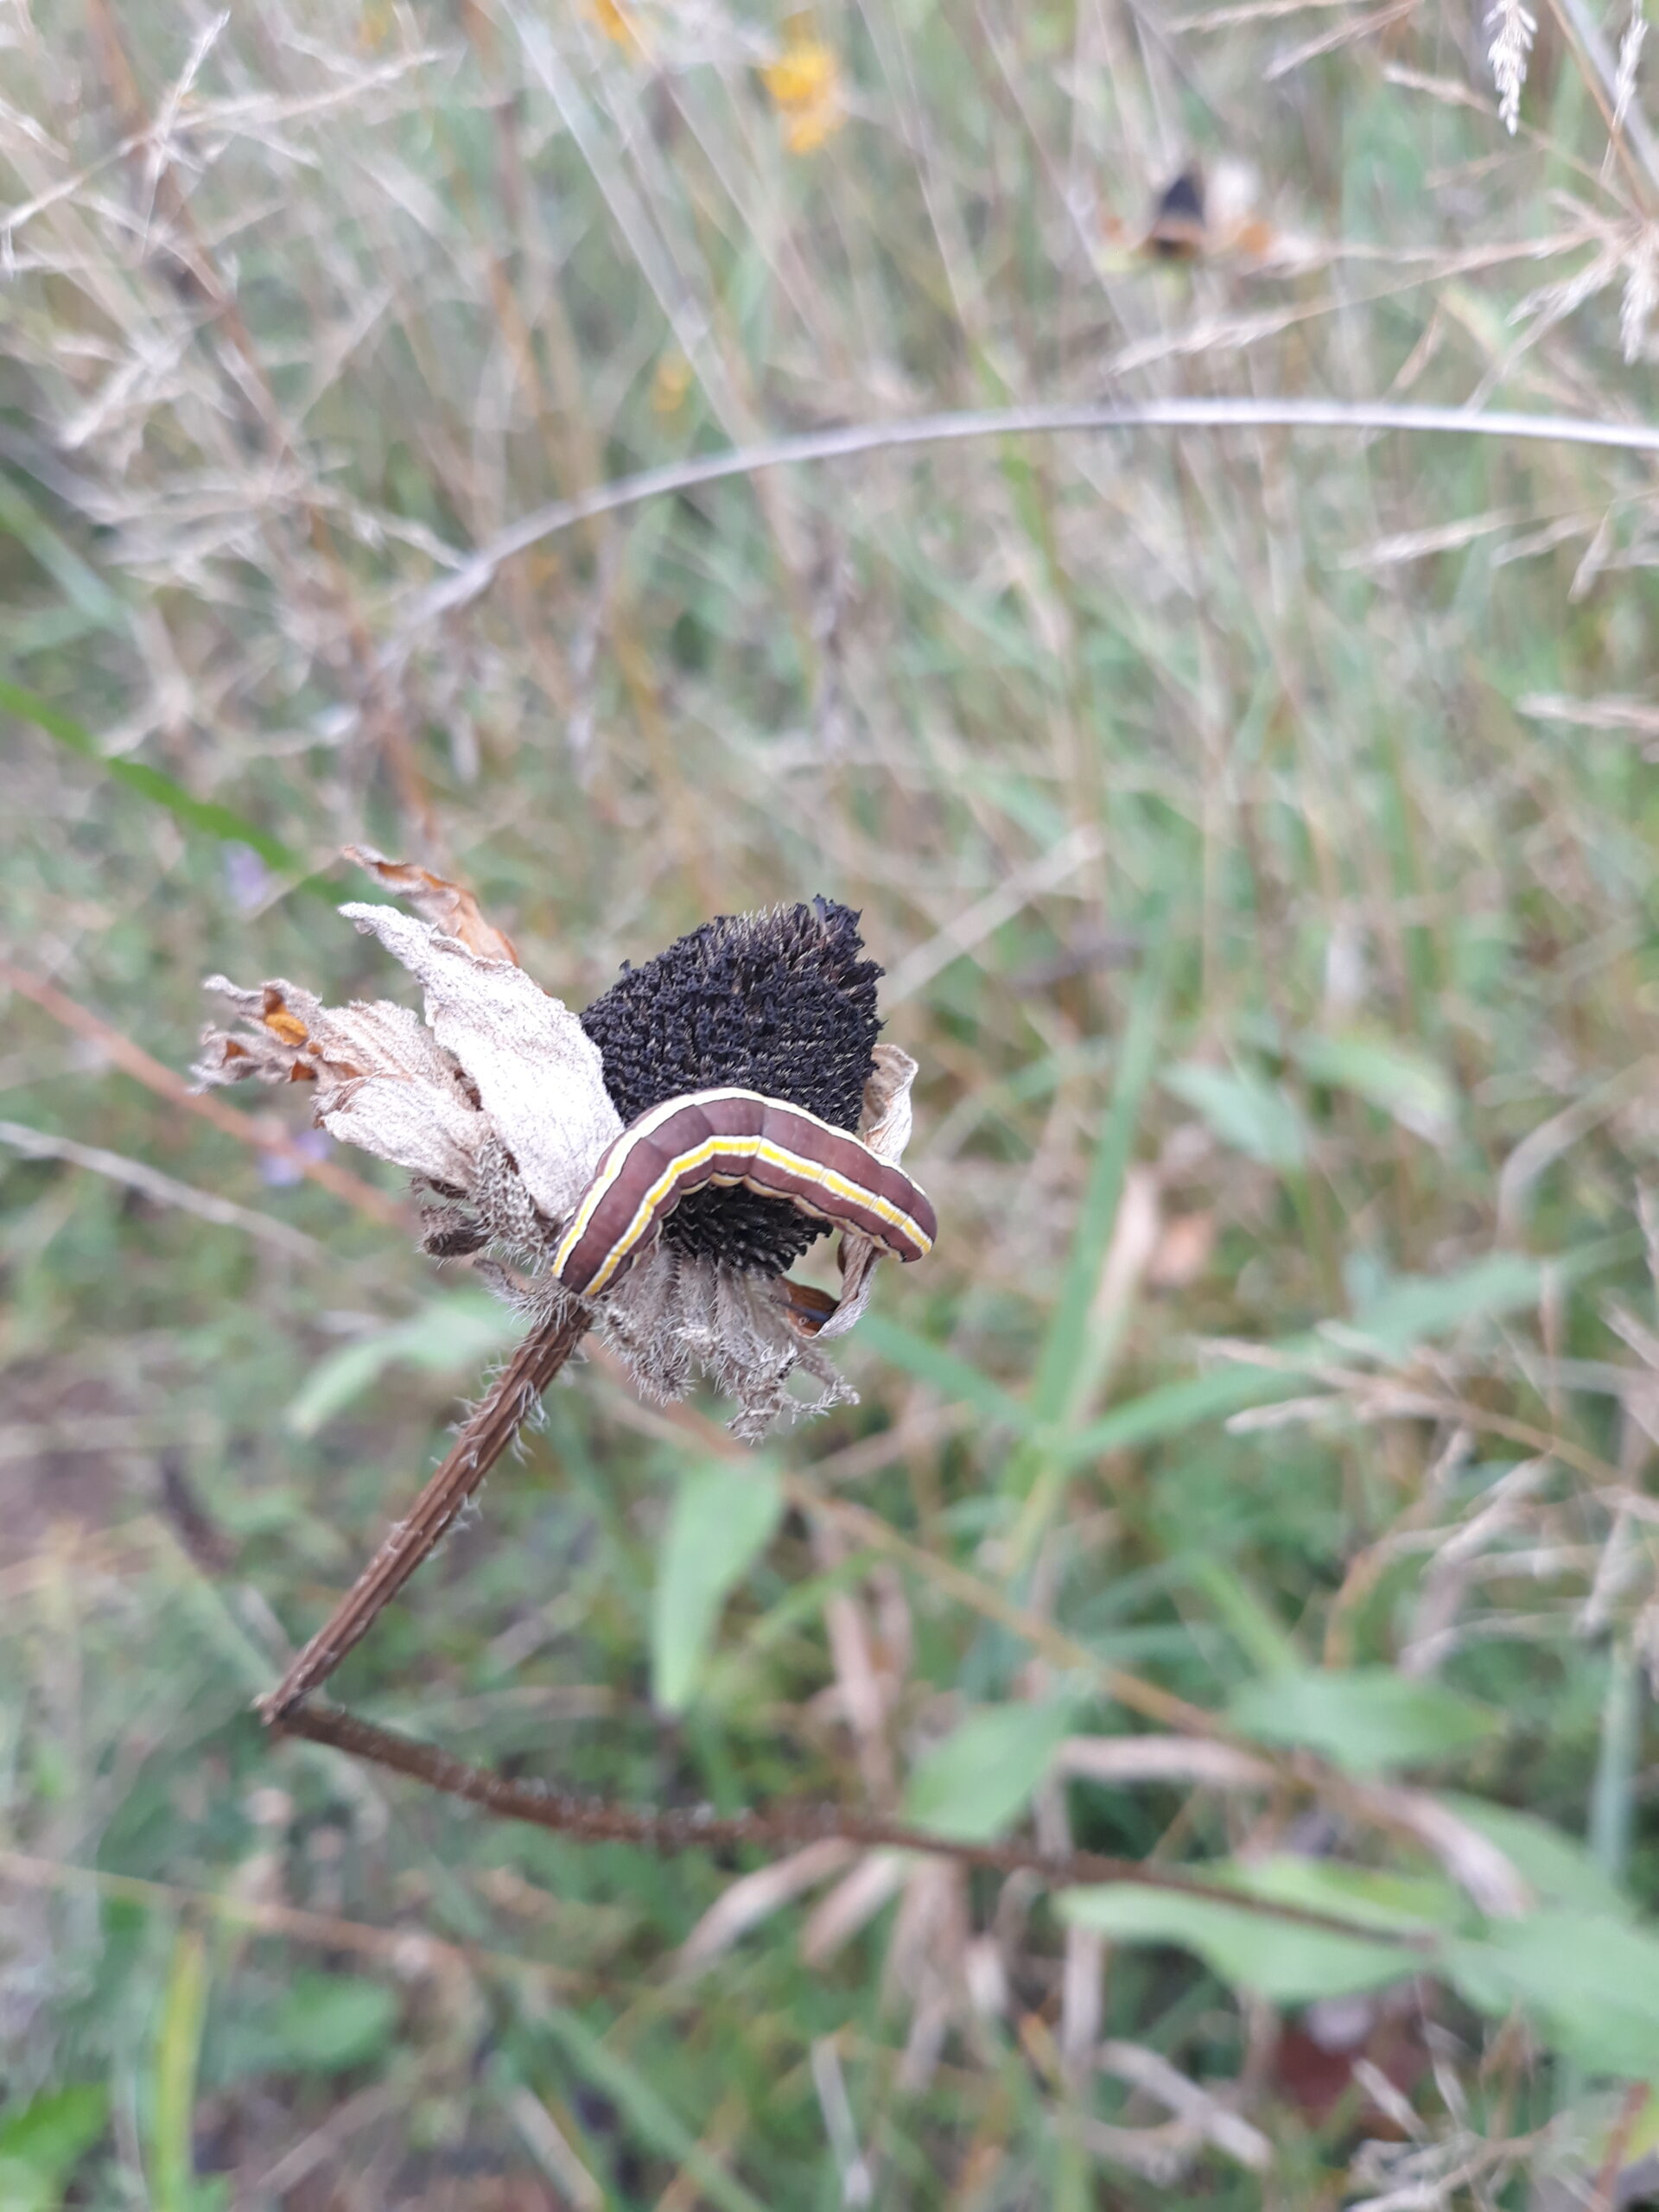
(1258, 832)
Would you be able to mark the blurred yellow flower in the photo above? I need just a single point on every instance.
(804, 83)
(617, 23)
(812, 127)
(671, 384)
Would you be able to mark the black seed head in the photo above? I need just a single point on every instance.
(781, 1002)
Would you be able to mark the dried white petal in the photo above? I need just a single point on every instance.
(858, 1257)
(884, 1120)
(538, 1075)
(383, 1083)
(884, 1125)
(414, 1125)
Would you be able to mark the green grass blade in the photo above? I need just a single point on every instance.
(205, 815)
(178, 2053)
(945, 1371)
(647, 2113)
(1410, 1313)
(1174, 1407)
(1064, 1356)
(83, 588)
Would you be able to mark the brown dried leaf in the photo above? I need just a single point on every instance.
(448, 907)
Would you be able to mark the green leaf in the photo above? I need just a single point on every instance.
(447, 1336)
(1245, 1110)
(42, 2142)
(1589, 1983)
(1401, 1904)
(1366, 1719)
(721, 1520)
(1277, 1959)
(206, 815)
(327, 2023)
(1397, 1079)
(1558, 1866)
(952, 1376)
(978, 1781)
(1415, 1308)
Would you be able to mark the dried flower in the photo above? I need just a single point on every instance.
(501, 1103)
(804, 83)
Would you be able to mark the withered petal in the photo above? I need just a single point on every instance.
(431, 1132)
(884, 1118)
(540, 1078)
(448, 907)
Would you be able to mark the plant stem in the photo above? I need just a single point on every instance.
(475, 572)
(511, 1400)
(695, 1828)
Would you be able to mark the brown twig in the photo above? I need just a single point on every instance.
(512, 1398)
(166, 1083)
(596, 1820)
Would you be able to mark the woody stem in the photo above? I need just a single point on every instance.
(784, 1827)
(512, 1398)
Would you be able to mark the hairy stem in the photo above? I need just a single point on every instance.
(512, 1398)
(596, 1820)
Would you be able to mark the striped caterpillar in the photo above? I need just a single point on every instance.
(728, 1136)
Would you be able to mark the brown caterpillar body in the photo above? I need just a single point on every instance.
(730, 1137)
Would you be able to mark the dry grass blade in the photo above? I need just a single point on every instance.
(1061, 1651)
(1355, 417)
(1639, 715)
(401, 1950)
(753, 1899)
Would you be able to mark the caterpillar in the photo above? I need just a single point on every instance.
(728, 1136)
